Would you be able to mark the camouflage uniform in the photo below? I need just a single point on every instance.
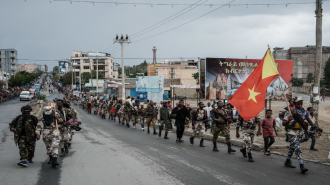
(25, 137)
(109, 110)
(118, 111)
(121, 114)
(198, 122)
(217, 127)
(127, 114)
(134, 113)
(151, 114)
(73, 115)
(140, 116)
(104, 108)
(165, 121)
(63, 116)
(248, 130)
(50, 135)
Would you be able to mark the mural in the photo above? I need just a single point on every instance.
(150, 88)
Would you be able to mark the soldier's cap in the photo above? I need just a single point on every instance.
(48, 110)
(60, 100)
(297, 99)
(26, 108)
(164, 102)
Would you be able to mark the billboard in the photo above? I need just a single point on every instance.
(150, 88)
(223, 76)
(63, 67)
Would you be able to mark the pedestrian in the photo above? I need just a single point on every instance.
(248, 131)
(221, 121)
(313, 134)
(137, 101)
(134, 114)
(180, 113)
(268, 125)
(62, 117)
(323, 98)
(295, 132)
(174, 96)
(151, 113)
(188, 119)
(50, 134)
(164, 120)
(141, 116)
(23, 127)
(169, 105)
(199, 119)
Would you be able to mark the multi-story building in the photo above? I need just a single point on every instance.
(303, 59)
(30, 68)
(8, 63)
(44, 68)
(87, 61)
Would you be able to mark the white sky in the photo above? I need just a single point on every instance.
(41, 30)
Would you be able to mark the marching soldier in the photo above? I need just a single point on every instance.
(50, 134)
(127, 114)
(62, 117)
(23, 127)
(103, 108)
(134, 114)
(109, 110)
(221, 120)
(199, 119)
(248, 131)
(74, 116)
(151, 114)
(118, 110)
(165, 120)
(141, 116)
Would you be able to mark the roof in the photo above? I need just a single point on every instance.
(10, 49)
(94, 85)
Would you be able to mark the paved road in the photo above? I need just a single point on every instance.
(105, 152)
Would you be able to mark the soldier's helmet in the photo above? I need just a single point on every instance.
(48, 110)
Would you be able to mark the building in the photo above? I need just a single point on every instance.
(44, 68)
(303, 59)
(8, 63)
(30, 68)
(182, 70)
(87, 61)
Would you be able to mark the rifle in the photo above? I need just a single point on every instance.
(56, 120)
(299, 119)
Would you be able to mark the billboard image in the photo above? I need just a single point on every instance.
(225, 75)
(63, 66)
(150, 88)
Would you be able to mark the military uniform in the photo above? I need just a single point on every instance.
(134, 114)
(248, 131)
(72, 115)
(141, 117)
(63, 117)
(151, 114)
(50, 135)
(165, 121)
(198, 121)
(118, 111)
(104, 108)
(127, 111)
(220, 126)
(25, 136)
(109, 110)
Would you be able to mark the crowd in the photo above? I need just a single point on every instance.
(58, 124)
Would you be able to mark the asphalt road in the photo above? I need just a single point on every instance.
(105, 152)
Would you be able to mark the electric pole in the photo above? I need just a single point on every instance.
(97, 75)
(318, 59)
(121, 41)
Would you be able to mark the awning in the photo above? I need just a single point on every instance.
(94, 85)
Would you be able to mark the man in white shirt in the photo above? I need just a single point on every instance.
(208, 110)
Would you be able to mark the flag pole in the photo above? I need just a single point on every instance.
(286, 101)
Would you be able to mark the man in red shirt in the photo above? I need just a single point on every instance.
(268, 125)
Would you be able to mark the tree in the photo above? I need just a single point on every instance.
(67, 78)
(326, 72)
(196, 77)
(56, 70)
(94, 75)
(310, 78)
(85, 76)
(297, 82)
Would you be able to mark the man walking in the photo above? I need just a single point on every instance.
(62, 117)
(199, 119)
(180, 113)
(23, 127)
(151, 115)
(165, 120)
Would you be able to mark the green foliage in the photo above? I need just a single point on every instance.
(67, 78)
(23, 77)
(85, 76)
(196, 77)
(141, 68)
(297, 82)
(327, 72)
(2, 84)
(94, 75)
(310, 78)
(41, 97)
(55, 70)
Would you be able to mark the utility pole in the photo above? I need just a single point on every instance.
(97, 74)
(318, 60)
(71, 73)
(92, 72)
(121, 41)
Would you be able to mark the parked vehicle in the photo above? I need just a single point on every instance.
(25, 95)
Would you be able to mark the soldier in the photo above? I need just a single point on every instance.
(141, 116)
(199, 119)
(55, 100)
(103, 108)
(151, 113)
(165, 120)
(221, 121)
(118, 110)
(50, 134)
(134, 114)
(109, 110)
(23, 127)
(89, 107)
(248, 130)
(73, 115)
(62, 117)
(127, 113)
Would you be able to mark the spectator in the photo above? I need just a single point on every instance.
(137, 101)
(169, 105)
(208, 111)
(174, 96)
(268, 124)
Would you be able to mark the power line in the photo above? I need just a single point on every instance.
(130, 58)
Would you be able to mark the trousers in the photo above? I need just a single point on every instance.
(221, 128)
(199, 129)
(52, 140)
(268, 142)
(26, 146)
(64, 137)
(248, 137)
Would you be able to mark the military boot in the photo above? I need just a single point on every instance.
(148, 131)
(192, 140)
(250, 157)
(69, 145)
(303, 169)
(54, 162)
(165, 137)
(127, 124)
(50, 159)
(66, 150)
(201, 144)
(62, 152)
(215, 149)
(288, 164)
(122, 123)
(230, 150)
(119, 121)
(160, 133)
(243, 150)
(155, 131)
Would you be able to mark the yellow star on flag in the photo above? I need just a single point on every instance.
(253, 94)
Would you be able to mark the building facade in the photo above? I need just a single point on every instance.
(87, 61)
(30, 68)
(8, 63)
(303, 59)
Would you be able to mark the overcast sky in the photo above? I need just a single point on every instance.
(41, 30)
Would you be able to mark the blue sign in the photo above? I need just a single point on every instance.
(142, 95)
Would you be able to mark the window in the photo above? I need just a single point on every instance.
(100, 67)
(86, 67)
(111, 67)
(77, 73)
(77, 67)
(76, 55)
(86, 61)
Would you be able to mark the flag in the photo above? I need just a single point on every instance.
(249, 99)
(51, 105)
